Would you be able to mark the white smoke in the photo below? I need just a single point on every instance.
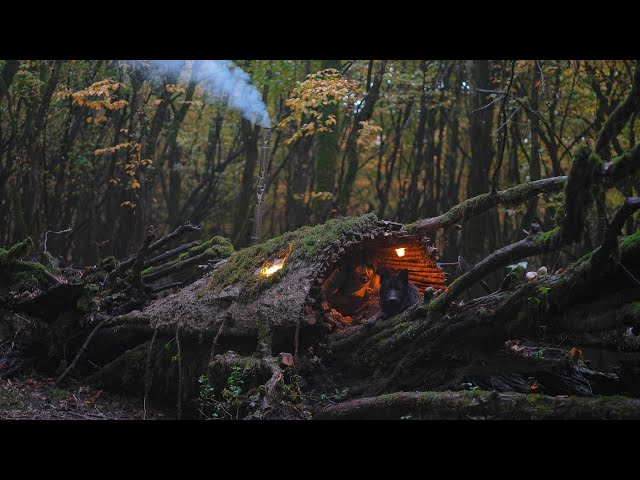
(223, 79)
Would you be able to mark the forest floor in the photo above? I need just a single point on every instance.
(36, 398)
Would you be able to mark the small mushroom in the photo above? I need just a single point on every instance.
(286, 359)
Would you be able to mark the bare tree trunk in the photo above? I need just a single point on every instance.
(326, 158)
(481, 231)
(351, 151)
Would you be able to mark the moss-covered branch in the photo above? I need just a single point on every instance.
(622, 167)
(215, 248)
(482, 203)
(127, 264)
(12, 261)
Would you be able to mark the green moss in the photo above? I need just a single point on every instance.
(218, 246)
(35, 267)
(434, 401)
(264, 332)
(632, 310)
(20, 249)
(529, 407)
(303, 244)
(472, 396)
(545, 238)
(618, 407)
(411, 227)
(542, 404)
(429, 396)
(252, 368)
(17, 251)
(402, 332)
(559, 215)
(583, 262)
(57, 393)
(630, 242)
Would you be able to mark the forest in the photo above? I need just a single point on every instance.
(320, 239)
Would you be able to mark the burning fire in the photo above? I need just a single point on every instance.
(400, 252)
(269, 270)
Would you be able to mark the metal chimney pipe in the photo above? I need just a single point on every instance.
(265, 150)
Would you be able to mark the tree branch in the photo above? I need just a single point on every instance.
(620, 116)
(187, 227)
(482, 203)
(170, 253)
(614, 229)
(543, 242)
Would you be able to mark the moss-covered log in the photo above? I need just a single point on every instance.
(481, 405)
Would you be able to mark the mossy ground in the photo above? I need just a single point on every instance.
(304, 245)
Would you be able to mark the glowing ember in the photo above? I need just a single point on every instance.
(400, 252)
(269, 270)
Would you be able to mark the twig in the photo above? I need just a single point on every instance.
(212, 353)
(503, 144)
(626, 271)
(215, 341)
(170, 253)
(619, 117)
(101, 414)
(179, 373)
(505, 122)
(541, 73)
(297, 338)
(136, 269)
(187, 227)
(124, 266)
(168, 286)
(347, 67)
(147, 373)
(177, 266)
(546, 124)
(54, 233)
(497, 99)
(82, 349)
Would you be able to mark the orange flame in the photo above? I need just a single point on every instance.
(400, 252)
(269, 270)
